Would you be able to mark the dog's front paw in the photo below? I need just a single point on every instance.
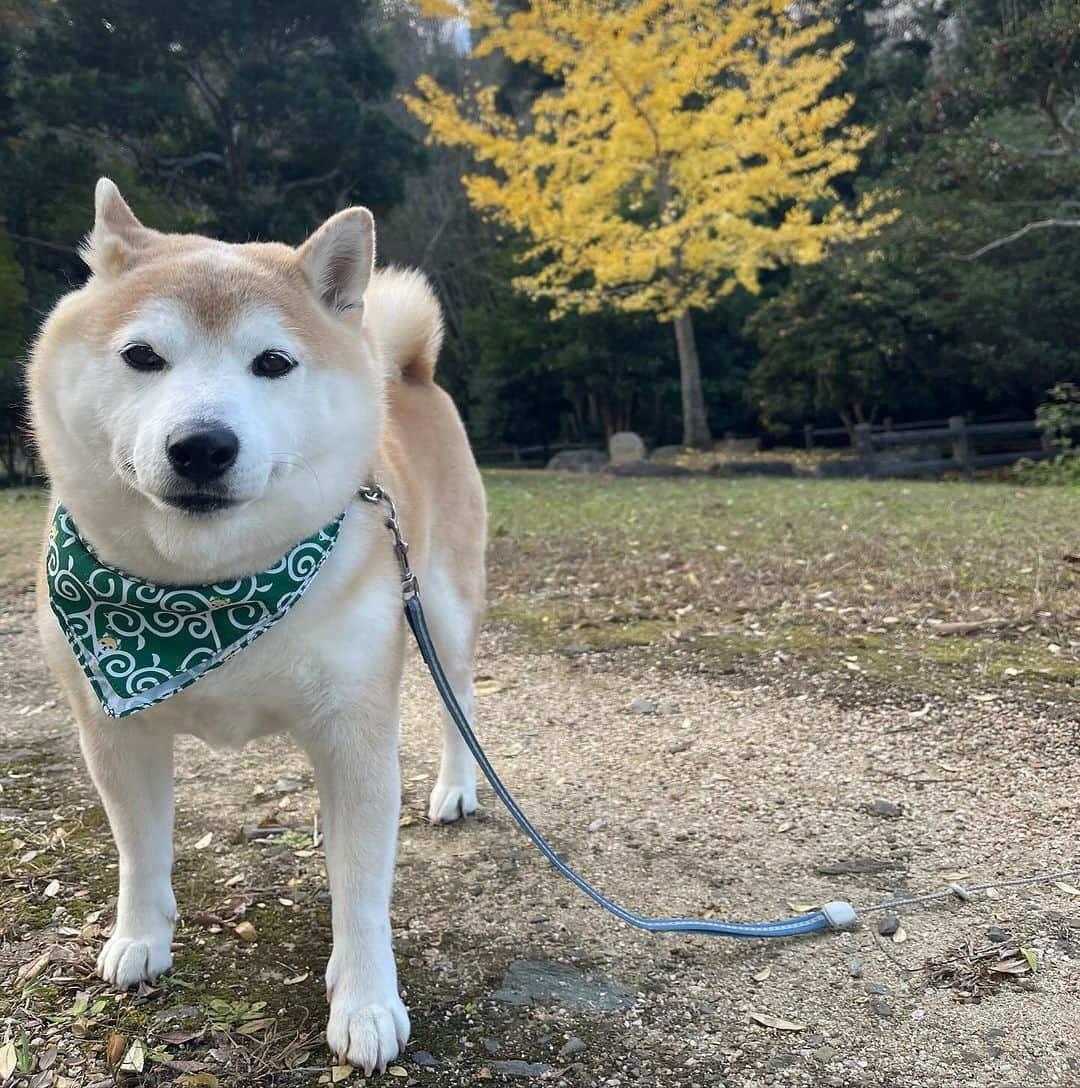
(450, 801)
(128, 960)
(366, 1034)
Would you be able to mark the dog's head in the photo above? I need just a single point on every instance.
(204, 391)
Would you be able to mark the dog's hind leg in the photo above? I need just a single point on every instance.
(453, 630)
(132, 769)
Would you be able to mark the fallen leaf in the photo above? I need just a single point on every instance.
(763, 974)
(1032, 957)
(51, 889)
(296, 979)
(246, 932)
(339, 1073)
(253, 1027)
(135, 1059)
(32, 968)
(115, 1047)
(397, 1071)
(958, 628)
(800, 908)
(767, 1020)
(1068, 889)
(899, 936)
(487, 687)
(1011, 967)
(205, 841)
(178, 1036)
(198, 1080)
(8, 1060)
(408, 819)
(986, 697)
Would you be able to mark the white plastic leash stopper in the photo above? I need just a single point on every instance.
(960, 892)
(839, 915)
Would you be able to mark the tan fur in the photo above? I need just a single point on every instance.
(361, 407)
(408, 322)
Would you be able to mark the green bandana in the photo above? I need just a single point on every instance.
(139, 643)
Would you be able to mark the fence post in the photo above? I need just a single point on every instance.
(864, 443)
(808, 435)
(961, 446)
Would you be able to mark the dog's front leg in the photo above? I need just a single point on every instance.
(360, 794)
(132, 769)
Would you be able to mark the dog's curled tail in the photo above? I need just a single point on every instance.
(407, 321)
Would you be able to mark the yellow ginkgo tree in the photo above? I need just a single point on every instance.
(685, 147)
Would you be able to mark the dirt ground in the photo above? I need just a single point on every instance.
(678, 790)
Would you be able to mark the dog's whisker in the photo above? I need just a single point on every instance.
(293, 459)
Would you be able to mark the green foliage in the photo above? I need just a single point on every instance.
(1059, 421)
(264, 116)
(1059, 417)
(980, 145)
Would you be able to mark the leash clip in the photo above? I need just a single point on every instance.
(375, 493)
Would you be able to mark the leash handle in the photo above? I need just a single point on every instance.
(835, 915)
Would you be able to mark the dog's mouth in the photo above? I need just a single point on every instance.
(199, 502)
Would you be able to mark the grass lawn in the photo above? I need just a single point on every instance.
(854, 585)
(851, 584)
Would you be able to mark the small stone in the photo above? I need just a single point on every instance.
(888, 924)
(288, 784)
(888, 810)
(645, 706)
(423, 1058)
(875, 988)
(997, 935)
(571, 1047)
(491, 1046)
(882, 1008)
(855, 966)
(254, 831)
(994, 1033)
(575, 649)
(519, 1068)
(824, 1054)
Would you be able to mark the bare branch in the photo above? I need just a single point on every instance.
(41, 243)
(1039, 224)
(308, 183)
(192, 160)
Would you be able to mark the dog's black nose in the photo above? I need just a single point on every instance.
(203, 455)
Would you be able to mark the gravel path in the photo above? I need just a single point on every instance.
(677, 795)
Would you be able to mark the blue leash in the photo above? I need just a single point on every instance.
(836, 915)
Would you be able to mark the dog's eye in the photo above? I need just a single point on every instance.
(142, 357)
(272, 364)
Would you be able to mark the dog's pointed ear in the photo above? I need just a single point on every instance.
(116, 238)
(339, 257)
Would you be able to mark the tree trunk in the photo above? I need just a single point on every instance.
(696, 433)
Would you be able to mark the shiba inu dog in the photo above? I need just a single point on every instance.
(201, 407)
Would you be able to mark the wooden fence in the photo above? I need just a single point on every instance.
(959, 446)
(812, 434)
(527, 456)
